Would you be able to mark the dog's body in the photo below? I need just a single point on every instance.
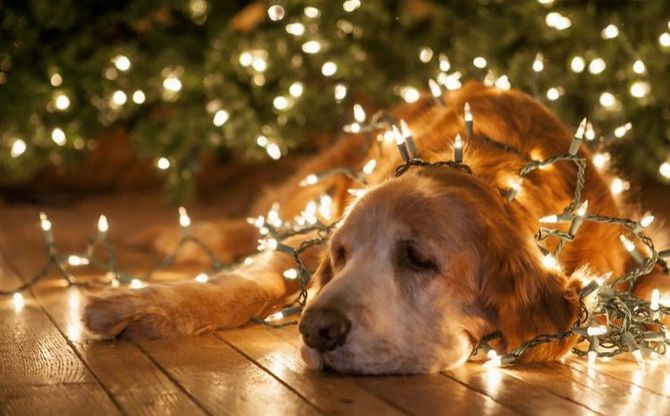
(423, 265)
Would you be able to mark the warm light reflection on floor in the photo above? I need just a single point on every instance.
(19, 301)
(492, 379)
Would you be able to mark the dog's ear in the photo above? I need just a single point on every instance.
(528, 299)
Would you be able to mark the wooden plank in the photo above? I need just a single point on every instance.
(137, 385)
(38, 367)
(32, 351)
(333, 394)
(59, 399)
(653, 378)
(513, 392)
(420, 395)
(598, 392)
(222, 380)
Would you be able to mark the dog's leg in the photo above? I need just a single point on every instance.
(190, 308)
(229, 240)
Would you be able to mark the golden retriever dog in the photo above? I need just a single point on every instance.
(422, 265)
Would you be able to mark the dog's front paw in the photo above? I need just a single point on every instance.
(132, 314)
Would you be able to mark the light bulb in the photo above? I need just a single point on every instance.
(163, 163)
(184, 219)
(290, 274)
(370, 166)
(220, 118)
(201, 278)
(103, 224)
(359, 113)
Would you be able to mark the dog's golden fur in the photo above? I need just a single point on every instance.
(487, 274)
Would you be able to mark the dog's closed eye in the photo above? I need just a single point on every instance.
(409, 257)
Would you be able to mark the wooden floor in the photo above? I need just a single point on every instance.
(48, 365)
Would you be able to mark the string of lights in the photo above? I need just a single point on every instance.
(618, 322)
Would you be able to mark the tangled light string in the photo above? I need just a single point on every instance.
(618, 322)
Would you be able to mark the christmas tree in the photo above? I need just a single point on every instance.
(188, 78)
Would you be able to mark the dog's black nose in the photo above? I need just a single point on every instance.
(324, 329)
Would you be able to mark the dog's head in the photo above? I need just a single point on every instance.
(421, 268)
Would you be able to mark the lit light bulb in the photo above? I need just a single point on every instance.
(597, 66)
(340, 92)
(58, 136)
(480, 62)
(184, 219)
(577, 64)
(18, 148)
(494, 360)
(329, 69)
(311, 179)
(246, 58)
(172, 83)
(370, 166)
(74, 260)
(557, 21)
(201, 278)
(639, 67)
(62, 101)
(261, 140)
(163, 163)
(618, 186)
(664, 170)
(629, 245)
(45, 224)
(467, 113)
(220, 118)
(121, 62)
(19, 301)
(639, 89)
(458, 149)
(276, 12)
(553, 94)
(56, 80)
(549, 219)
(550, 262)
(621, 131)
(410, 94)
(277, 316)
(290, 274)
(664, 39)
(311, 47)
(514, 185)
(119, 98)
(607, 99)
(503, 83)
(594, 331)
(136, 284)
(435, 89)
(359, 113)
(296, 89)
(582, 209)
(654, 303)
(610, 32)
(538, 63)
(259, 64)
(295, 29)
(103, 224)
(646, 220)
(139, 97)
(280, 103)
(273, 151)
(398, 136)
(425, 54)
(445, 65)
(600, 160)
